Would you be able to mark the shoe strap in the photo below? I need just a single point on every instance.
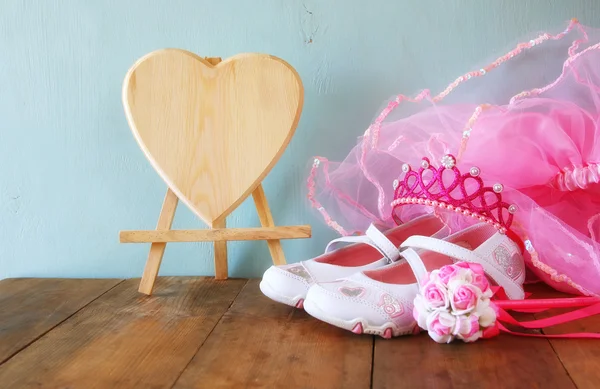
(374, 238)
(461, 254)
(389, 249)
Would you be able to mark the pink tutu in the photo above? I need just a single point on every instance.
(540, 148)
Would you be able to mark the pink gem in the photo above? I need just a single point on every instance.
(358, 329)
(387, 334)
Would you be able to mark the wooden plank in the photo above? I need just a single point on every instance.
(266, 220)
(220, 253)
(30, 307)
(217, 234)
(506, 361)
(263, 344)
(125, 339)
(157, 249)
(581, 357)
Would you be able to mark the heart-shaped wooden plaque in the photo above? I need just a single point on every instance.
(212, 132)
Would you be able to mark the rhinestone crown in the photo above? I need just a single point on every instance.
(483, 203)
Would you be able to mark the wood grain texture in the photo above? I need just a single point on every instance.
(581, 357)
(31, 307)
(503, 362)
(124, 339)
(217, 234)
(263, 344)
(157, 249)
(212, 132)
(266, 220)
(220, 252)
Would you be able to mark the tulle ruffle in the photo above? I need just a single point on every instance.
(542, 144)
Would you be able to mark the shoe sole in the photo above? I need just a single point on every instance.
(359, 325)
(267, 290)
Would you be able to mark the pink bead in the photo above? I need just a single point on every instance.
(450, 207)
(466, 212)
(420, 201)
(427, 202)
(458, 209)
(482, 218)
(435, 203)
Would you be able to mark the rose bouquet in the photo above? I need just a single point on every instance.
(455, 302)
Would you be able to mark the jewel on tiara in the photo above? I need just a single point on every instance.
(414, 188)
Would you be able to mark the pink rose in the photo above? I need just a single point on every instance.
(468, 328)
(475, 267)
(435, 295)
(445, 273)
(440, 326)
(463, 299)
(480, 281)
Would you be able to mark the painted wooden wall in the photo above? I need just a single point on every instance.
(72, 176)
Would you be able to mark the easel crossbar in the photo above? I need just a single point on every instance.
(216, 234)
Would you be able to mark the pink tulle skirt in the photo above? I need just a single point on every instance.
(528, 120)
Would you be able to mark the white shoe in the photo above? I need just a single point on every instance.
(380, 301)
(288, 284)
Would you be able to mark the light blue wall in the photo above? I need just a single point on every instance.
(72, 176)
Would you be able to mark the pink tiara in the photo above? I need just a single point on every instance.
(483, 203)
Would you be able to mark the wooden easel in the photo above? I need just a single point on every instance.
(145, 105)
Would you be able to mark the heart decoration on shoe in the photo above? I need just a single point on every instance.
(212, 132)
(352, 292)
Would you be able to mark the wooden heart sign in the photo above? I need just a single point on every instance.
(212, 132)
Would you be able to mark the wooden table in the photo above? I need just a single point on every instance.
(196, 332)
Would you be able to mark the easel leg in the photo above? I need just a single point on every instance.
(220, 249)
(157, 250)
(266, 220)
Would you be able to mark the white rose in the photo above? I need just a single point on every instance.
(440, 326)
(420, 312)
(487, 315)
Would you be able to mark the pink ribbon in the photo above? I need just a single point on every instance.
(591, 306)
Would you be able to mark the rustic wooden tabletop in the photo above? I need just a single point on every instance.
(195, 332)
